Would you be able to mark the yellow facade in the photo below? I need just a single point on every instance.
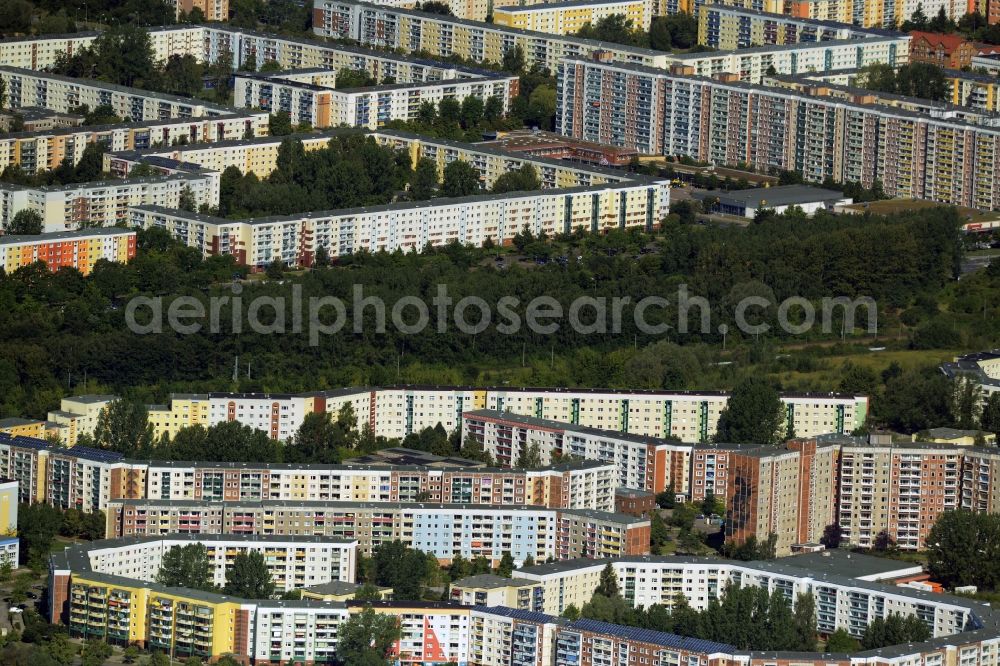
(25, 428)
(182, 412)
(176, 623)
(8, 508)
(569, 18)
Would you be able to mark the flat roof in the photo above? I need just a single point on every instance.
(852, 565)
(491, 581)
(66, 235)
(780, 195)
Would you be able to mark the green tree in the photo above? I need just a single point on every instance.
(425, 180)
(506, 566)
(472, 111)
(38, 525)
(832, 536)
(524, 179)
(26, 221)
(95, 652)
(368, 592)
(319, 439)
(460, 179)
(493, 109)
(513, 60)
(754, 414)
(279, 124)
(365, 638)
(608, 584)
(805, 623)
(354, 78)
(249, 577)
(840, 642)
(530, 457)
(659, 535)
(989, 420)
(186, 566)
(966, 400)
(275, 270)
(130, 654)
(401, 568)
(571, 612)
(963, 548)
(123, 426)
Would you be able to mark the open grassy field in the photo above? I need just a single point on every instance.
(827, 371)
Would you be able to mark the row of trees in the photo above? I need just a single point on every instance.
(40, 523)
(188, 566)
(675, 32)
(749, 618)
(77, 327)
(351, 171)
(916, 79)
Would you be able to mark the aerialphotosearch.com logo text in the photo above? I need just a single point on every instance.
(319, 316)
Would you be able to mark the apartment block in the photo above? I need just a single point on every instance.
(79, 249)
(103, 203)
(732, 27)
(293, 562)
(443, 36)
(42, 151)
(981, 367)
(582, 485)
(384, 26)
(640, 462)
(899, 489)
(622, 427)
(307, 100)
(981, 481)
(408, 226)
(94, 593)
(78, 415)
(63, 93)
(567, 18)
(721, 122)
(445, 530)
(843, 601)
(87, 479)
(212, 10)
(397, 411)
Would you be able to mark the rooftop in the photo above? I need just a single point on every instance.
(852, 565)
(780, 195)
(491, 581)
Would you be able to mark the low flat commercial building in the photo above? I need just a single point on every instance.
(779, 199)
(492, 590)
(537, 143)
(957, 437)
(79, 249)
(339, 590)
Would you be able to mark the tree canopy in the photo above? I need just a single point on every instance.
(186, 566)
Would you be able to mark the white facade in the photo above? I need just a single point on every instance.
(293, 562)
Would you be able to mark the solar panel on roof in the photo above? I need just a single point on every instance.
(651, 636)
(97, 455)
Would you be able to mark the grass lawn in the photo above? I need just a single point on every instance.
(827, 373)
